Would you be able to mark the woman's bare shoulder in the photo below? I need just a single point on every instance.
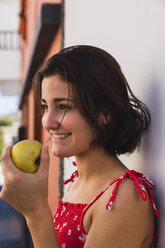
(127, 199)
(130, 217)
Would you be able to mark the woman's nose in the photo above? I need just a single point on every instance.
(50, 121)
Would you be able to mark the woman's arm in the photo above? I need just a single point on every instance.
(42, 229)
(28, 194)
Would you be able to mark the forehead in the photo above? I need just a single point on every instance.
(54, 86)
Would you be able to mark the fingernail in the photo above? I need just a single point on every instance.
(46, 148)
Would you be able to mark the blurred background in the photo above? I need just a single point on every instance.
(33, 30)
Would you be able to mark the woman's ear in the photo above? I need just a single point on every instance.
(104, 118)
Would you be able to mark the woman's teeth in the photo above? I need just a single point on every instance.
(61, 136)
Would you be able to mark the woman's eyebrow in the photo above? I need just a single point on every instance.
(60, 99)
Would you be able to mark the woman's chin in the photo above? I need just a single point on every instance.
(60, 154)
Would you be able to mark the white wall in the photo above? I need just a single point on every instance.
(10, 60)
(9, 10)
(9, 68)
(133, 31)
(10, 64)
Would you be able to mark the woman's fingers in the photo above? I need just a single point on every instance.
(6, 153)
(7, 163)
(44, 161)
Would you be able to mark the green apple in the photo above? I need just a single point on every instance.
(26, 155)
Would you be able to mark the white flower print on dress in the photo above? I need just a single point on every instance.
(82, 237)
(109, 206)
(65, 224)
(63, 245)
(58, 226)
(78, 227)
(142, 187)
(69, 232)
(147, 178)
(154, 206)
(64, 208)
(121, 177)
(75, 217)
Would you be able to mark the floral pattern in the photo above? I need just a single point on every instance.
(68, 217)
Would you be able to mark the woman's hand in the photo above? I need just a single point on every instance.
(26, 192)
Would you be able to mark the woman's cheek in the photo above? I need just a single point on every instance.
(43, 120)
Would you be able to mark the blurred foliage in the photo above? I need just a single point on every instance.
(3, 123)
(6, 122)
(1, 144)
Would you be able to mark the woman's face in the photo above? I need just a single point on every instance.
(69, 131)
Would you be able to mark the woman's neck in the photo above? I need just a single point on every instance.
(98, 163)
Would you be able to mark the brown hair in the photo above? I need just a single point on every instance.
(100, 88)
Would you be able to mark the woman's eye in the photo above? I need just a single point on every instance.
(44, 107)
(64, 107)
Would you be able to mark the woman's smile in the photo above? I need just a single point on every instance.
(60, 136)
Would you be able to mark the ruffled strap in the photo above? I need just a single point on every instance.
(142, 183)
(73, 176)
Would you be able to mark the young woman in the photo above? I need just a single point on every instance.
(91, 113)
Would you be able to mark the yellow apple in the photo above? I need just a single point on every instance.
(26, 155)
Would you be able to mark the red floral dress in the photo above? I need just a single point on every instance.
(68, 218)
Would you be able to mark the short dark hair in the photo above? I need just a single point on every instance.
(100, 88)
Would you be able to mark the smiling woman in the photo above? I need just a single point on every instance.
(89, 112)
